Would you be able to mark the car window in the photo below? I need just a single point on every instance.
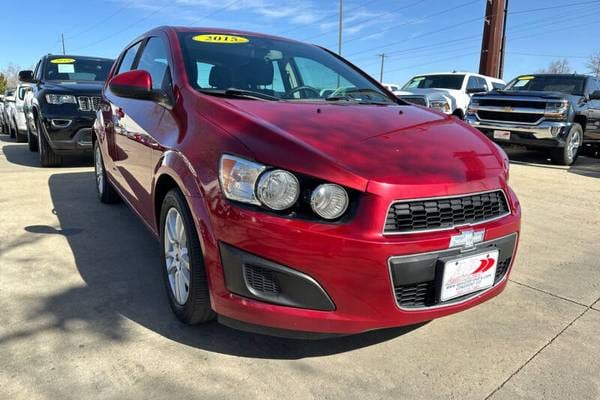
(154, 59)
(473, 83)
(570, 84)
(436, 82)
(69, 68)
(128, 58)
(498, 85)
(482, 83)
(36, 71)
(22, 91)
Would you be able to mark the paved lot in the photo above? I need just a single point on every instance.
(83, 313)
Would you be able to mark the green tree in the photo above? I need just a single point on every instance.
(3, 83)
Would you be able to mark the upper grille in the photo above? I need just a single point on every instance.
(525, 118)
(511, 103)
(445, 213)
(419, 100)
(261, 279)
(87, 103)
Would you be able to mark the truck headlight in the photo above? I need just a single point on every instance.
(557, 110)
(440, 105)
(60, 99)
(329, 201)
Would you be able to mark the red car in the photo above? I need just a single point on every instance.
(292, 194)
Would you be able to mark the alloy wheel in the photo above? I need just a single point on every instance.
(177, 260)
(99, 170)
(574, 144)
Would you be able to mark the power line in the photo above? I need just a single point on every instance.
(93, 26)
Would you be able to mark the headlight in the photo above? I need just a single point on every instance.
(278, 189)
(557, 110)
(472, 108)
(329, 201)
(238, 178)
(60, 99)
(440, 105)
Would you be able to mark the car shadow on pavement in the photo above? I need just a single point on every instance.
(18, 153)
(585, 166)
(119, 261)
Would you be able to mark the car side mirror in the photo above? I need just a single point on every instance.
(595, 95)
(26, 76)
(476, 90)
(137, 84)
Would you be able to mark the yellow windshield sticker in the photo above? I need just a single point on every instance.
(526, 78)
(224, 39)
(62, 61)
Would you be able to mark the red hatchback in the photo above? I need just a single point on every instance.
(293, 194)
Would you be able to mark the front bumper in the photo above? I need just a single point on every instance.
(353, 268)
(69, 134)
(544, 134)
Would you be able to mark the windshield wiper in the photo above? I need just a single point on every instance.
(248, 94)
(348, 95)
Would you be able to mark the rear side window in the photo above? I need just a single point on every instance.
(128, 58)
(498, 85)
(154, 59)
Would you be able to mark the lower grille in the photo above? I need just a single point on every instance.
(87, 103)
(523, 118)
(422, 294)
(418, 100)
(261, 279)
(445, 213)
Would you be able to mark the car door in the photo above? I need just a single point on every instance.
(134, 123)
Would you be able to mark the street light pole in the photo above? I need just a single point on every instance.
(383, 56)
(62, 38)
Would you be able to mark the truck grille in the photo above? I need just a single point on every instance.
(524, 118)
(418, 100)
(445, 213)
(87, 103)
(512, 103)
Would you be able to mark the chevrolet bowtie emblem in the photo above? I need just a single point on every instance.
(467, 239)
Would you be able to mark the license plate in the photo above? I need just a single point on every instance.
(502, 135)
(468, 274)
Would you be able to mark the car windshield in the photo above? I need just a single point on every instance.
(77, 69)
(541, 83)
(448, 81)
(272, 69)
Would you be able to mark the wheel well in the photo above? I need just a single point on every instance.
(581, 120)
(459, 113)
(164, 184)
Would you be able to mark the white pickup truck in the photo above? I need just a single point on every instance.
(448, 92)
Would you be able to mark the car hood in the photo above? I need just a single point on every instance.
(401, 145)
(529, 94)
(74, 86)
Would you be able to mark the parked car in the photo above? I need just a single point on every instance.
(555, 112)
(9, 112)
(448, 92)
(3, 124)
(391, 87)
(19, 119)
(281, 210)
(61, 108)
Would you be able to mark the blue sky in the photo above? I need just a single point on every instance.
(418, 35)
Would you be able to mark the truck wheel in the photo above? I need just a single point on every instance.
(568, 154)
(183, 262)
(104, 189)
(21, 138)
(11, 132)
(48, 158)
(32, 141)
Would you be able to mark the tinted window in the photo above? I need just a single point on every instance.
(154, 59)
(475, 82)
(128, 59)
(549, 83)
(275, 67)
(498, 85)
(77, 69)
(436, 82)
(22, 91)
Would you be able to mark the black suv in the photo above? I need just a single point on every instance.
(557, 112)
(60, 110)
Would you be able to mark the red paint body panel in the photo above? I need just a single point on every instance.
(386, 153)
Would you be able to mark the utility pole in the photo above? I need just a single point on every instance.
(503, 50)
(492, 44)
(383, 56)
(62, 38)
(340, 27)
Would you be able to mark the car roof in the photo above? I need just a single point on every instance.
(460, 73)
(77, 57)
(565, 75)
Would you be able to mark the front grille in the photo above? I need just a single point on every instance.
(261, 279)
(524, 118)
(418, 100)
(423, 294)
(445, 213)
(87, 103)
(512, 103)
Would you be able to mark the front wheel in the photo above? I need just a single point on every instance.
(32, 141)
(183, 262)
(104, 189)
(568, 154)
(48, 158)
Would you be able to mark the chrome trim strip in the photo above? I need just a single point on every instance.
(520, 110)
(60, 123)
(473, 295)
(442, 198)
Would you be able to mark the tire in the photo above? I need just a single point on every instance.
(12, 132)
(48, 158)
(32, 141)
(568, 154)
(104, 189)
(21, 138)
(195, 308)
(458, 113)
